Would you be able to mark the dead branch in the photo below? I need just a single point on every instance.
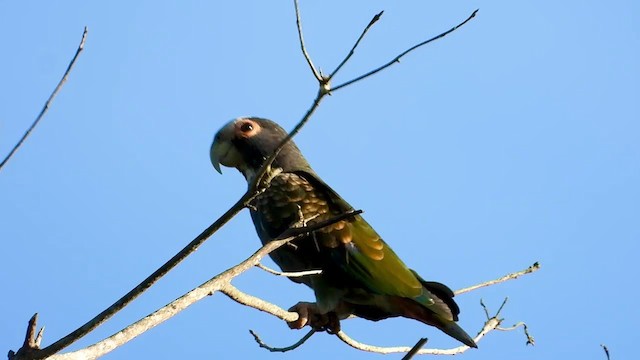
(530, 340)
(49, 101)
(375, 19)
(402, 54)
(512, 276)
(488, 327)
(306, 337)
(303, 48)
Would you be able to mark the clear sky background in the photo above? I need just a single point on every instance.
(513, 140)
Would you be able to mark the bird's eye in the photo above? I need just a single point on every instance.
(246, 127)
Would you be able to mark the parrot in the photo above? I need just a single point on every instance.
(359, 273)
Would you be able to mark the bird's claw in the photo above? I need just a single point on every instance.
(309, 314)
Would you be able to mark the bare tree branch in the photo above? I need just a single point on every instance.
(243, 298)
(533, 268)
(303, 48)
(375, 19)
(530, 340)
(47, 104)
(263, 345)
(488, 327)
(397, 58)
(414, 350)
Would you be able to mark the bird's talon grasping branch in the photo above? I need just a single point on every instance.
(309, 314)
(302, 309)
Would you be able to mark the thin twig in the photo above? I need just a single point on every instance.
(486, 310)
(530, 340)
(39, 338)
(315, 72)
(397, 58)
(50, 99)
(533, 268)
(375, 19)
(263, 345)
(414, 350)
(288, 274)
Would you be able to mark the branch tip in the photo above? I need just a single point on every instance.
(504, 302)
(375, 18)
(606, 350)
(530, 339)
(397, 58)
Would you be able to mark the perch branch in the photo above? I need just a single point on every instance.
(243, 298)
(398, 57)
(47, 104)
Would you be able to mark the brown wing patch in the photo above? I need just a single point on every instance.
(287, 197)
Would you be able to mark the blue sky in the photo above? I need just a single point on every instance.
(513, 140)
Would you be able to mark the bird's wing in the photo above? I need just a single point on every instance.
(365, 257)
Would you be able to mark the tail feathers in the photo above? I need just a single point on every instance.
(413, 309)
(455, 331)
(442, 312)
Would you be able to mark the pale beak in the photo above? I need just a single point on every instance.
(218, 151)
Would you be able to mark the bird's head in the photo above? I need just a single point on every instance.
(246, 142)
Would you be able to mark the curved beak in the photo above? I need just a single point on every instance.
(223, 150)
(218, 151)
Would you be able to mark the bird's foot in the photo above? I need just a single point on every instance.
(309, 314)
